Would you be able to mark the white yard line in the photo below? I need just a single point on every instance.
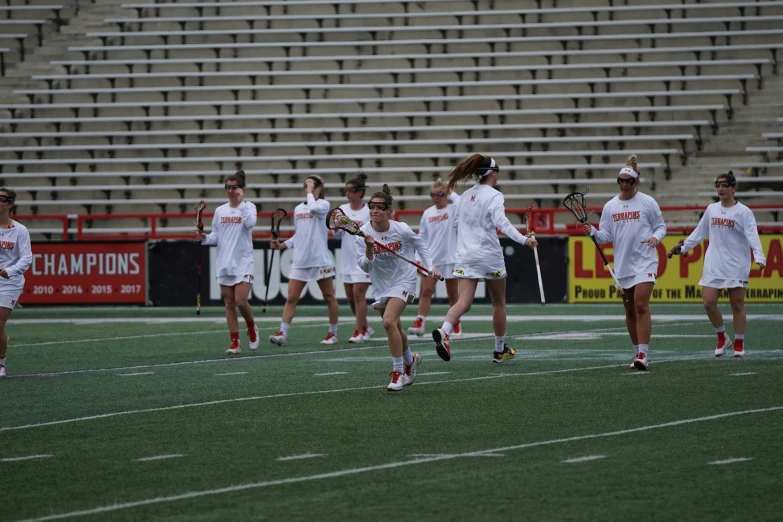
(422, 374)
(29, 457)
(584, 459)
(467, 318)
(301, 457)
(159, 457)
(135, 374)
(231, 373)
(330, 373)
(744, 373)
(390, 465)
(730, 461)
(123, 338)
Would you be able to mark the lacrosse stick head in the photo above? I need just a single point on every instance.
(338, 220)
(199, 212)
(575, 202)
(277, 217)
(676, 251)
(527, 219)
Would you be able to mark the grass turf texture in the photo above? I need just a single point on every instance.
(482, 441)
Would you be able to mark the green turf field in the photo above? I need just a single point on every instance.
(138, 414)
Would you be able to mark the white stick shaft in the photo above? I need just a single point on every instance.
(540, 282)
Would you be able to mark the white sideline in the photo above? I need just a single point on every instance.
(135, 374)
(730, 461)
(159, 457)
(583, 459)
(300, 457)
(231, 373)
(390, 465)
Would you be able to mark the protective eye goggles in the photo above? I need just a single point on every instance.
(229, 187)
(724, 184)
(6, 199)
(630, 181)
(353, 189)
(378, 205)
(437, 194)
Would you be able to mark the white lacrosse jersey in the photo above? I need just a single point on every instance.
(733, 234)
(310, 235)
(626, 224)
(439, 234)
(386, 270)
(16, 255)
(348, 261)
(232, 232)
(480, 211)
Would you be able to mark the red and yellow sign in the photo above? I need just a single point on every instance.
(678, 277)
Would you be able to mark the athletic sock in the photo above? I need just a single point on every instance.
(500, 340)
(397, 364)
(447, 327)
(407, 356)
(2, 361)
(284, 328)
(740, 337)
(720, 329)
(333, 329)
(643, 348)
(234, 337)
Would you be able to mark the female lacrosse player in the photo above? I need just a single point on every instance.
(393, 280)
(479, 213)
(440, 236)
(633, 222)
(312, 259)
(355, 280)
(15, 258)
(731, 227)
(232, 232)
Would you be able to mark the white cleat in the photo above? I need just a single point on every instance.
(739, 353)
(640, 362)
(357, 337)
(330, 339)
(279, 339)
(255, 339)
(720, 351)
(397, 382)
(368, 332)
(410, 371)
(417, 328)
(2, 371)
(235, 349)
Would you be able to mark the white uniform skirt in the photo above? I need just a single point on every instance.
(312, 274)
(631, 281)
(232, 280)
(356, 277)
(479, 272)
(723, 283)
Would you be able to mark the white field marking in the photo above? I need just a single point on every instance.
(301, 457)
(428, 455)
(467, 318)
(329, 373)
(324, 392)
(30, 457)
(744, 373)
(583, 459)
(637, 372)
(420, 374)
(730, 461)
(390, 465)
(159, 457)
(124, 338)
(232, 373)
(134, 374)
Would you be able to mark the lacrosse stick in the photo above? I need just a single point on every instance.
(200, 229)
(535, 253)
(338, 220)
(676, 251)
(277, 217)
(575, 202)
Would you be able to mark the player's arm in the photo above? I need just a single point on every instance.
(25, 255)
(498, 216)
(752, 234)
(212, 238)
(604, 235)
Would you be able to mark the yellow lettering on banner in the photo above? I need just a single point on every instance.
(678, 277)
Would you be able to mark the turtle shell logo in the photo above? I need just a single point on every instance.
(460, 272)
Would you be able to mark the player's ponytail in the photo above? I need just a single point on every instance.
(632, 164)
(238, 177)
(359, 182)
(385, 194)
(476, 166)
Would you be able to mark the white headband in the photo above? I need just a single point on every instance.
(491, 168)
(629, 171)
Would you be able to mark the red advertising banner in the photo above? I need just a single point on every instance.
(86, 273)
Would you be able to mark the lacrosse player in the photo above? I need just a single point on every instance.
(355, 280)
(15, 258)
(633, 223)
(393, 279)
(731, 227)
(312, 259)
(232, 232)
(478, 214)
(441, 238)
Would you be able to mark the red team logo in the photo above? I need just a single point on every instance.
(634, 215)
(722, 222)
(230, 220)
(473, 197)
(7, 245)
